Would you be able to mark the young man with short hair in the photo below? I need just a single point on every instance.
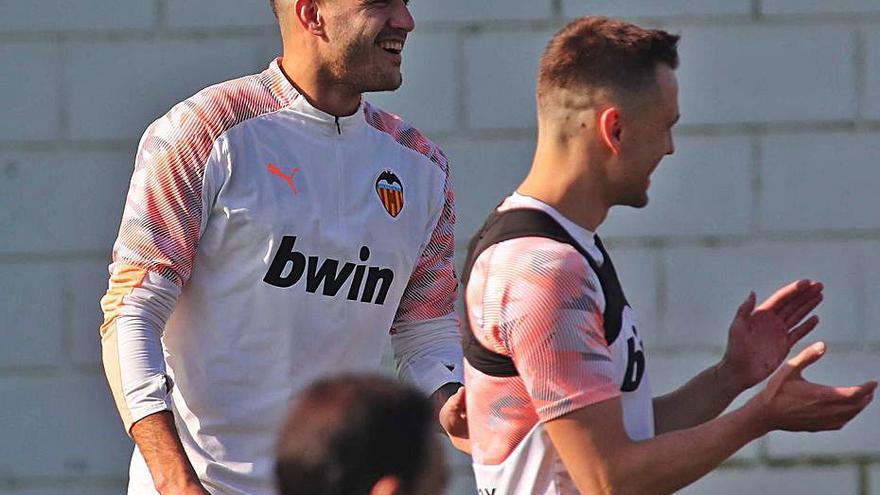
(558, 397)
(359, 435)
(277, 226)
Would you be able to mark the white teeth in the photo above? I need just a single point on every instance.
(391, 45)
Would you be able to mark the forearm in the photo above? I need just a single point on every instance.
(159, 444)
(669, 462)
(595, 447)
(701, 399)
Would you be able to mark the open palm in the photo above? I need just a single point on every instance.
(761, 338)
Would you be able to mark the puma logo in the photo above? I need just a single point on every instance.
(287, 178)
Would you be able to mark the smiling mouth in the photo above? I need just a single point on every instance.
(391, 46)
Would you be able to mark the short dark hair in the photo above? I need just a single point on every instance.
(274, 7)
(345, 433)
(601, 53)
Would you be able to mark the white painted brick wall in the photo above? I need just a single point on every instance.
(79, 85)
(220, 13)
(429, 96)
(500, 71)
(31, 309)
(872, 88)
(668, 371)
(483, 174)
(819, 181)
(69, 488)
(819, 6)
(148, 78)
(705, 188)
(705, 287)
(655, 9)
(482, 11)
(638, 270)
(29, 93)
(870, 266)
(859, 437)
(46, 15)
(48, 200)
(84, 283)
(61, 427)
(794, 481)
(752, 74)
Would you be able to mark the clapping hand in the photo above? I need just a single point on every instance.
(760, 338)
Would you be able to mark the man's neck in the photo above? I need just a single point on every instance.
(557, 179)
(334, 99)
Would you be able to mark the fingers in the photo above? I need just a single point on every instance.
(745, 309)
(801, 306)
(456, 403)
(793, 293)
(851, 395)
(807, 357)
(802, 330)
(846, 404)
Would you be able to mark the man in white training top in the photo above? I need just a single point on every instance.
(277, 227)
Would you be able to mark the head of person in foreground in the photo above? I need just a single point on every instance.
(359, 435)
(607, 100)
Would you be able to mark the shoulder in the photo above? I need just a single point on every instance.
(535, 268)
(192, 126)
(404, 134)
(542, 258)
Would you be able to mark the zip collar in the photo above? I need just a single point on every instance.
(274, 79)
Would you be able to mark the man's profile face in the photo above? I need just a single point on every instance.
(365, 41)
(646, 137)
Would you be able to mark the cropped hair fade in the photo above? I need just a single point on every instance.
(602, 53)
(345, 433)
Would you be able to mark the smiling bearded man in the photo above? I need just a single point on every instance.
(276, 229)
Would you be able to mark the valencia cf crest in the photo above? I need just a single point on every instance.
(390, 191)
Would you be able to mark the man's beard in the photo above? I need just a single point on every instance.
(357, 67)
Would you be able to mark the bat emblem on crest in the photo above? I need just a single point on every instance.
(390, 191)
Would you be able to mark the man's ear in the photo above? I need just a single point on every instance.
(387, 485)
(610, 129)
(309, 16)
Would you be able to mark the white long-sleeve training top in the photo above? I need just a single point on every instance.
(265, 243)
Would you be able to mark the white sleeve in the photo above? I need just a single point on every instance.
(139, 326)
(428, 352)
(425, 335)
(165, 213)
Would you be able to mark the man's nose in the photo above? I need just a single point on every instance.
(402, 19)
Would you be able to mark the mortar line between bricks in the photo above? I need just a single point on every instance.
(662, 299)
(860, 63)
(556, 9)
(161, 13)
(756, 164)
(862, 286)
(50, 257)
(62, 89)
(864, 482)
(461, 89)
(488, 25)
(66, 314)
